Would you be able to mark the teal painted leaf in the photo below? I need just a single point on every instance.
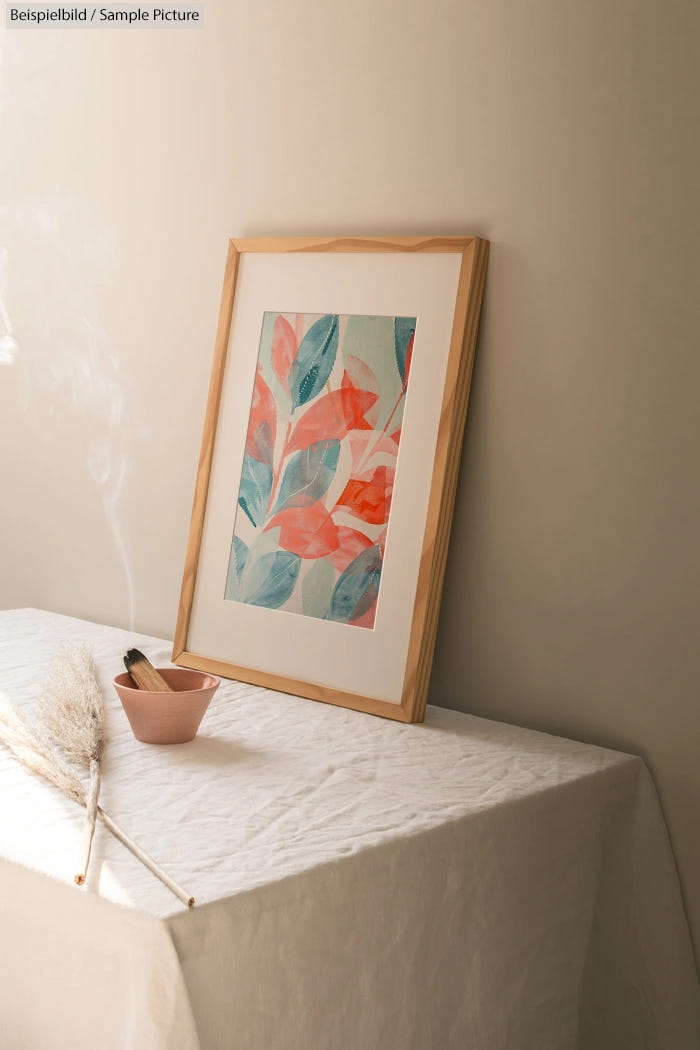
(236, 565)
(264, 543)
(240, 553)
(256, 486)
(276, 577)
(314, 360)
(404, 329)
(317, 588)
(308, 475)
(371, 340)
(256, 568)
(357, 587)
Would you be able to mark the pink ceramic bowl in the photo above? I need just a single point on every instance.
(167, 718)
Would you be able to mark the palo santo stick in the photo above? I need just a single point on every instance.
(144, 673)
(144, 858)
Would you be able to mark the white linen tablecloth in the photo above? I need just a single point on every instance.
(360, 884)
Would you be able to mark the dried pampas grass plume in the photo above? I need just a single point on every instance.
(38, 754)
(72, 712)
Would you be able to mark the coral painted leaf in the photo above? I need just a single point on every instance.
(260, 443)
(314, 361)
(367, 444)
(308, 475)
(369, 495)
(256, 486)
(350, 544)
(307, 531)
(357, 588)
(262, 424)
(279, 572)
(404, 330)
(332, 416)
(359, 375)
(284, 349)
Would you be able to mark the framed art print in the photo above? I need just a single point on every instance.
(328, 466)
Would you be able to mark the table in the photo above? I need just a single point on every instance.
(360, 884)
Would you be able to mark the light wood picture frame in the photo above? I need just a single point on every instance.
(328, 466)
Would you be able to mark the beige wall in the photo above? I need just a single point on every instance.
(564, 132)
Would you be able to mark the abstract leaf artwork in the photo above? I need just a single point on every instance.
(320, 458)
(327, 472)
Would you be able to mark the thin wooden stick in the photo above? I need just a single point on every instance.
(144, 858)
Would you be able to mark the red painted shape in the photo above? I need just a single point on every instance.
(369, 495)
(284, 349)
(307, 531)
(350, 544)
(333, 416)
(262, 424)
